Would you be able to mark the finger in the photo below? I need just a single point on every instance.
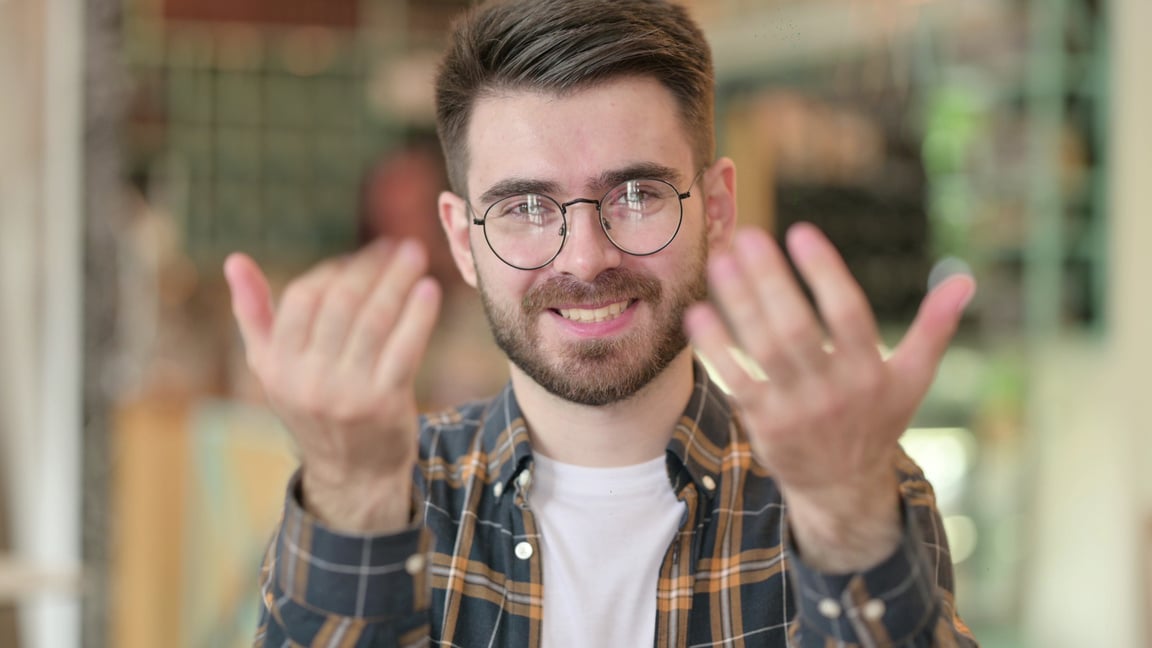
(405, 348)
(739, 375)
(373, 326)
(736, 299)
(788, 314)
(839, 297)
(916, 358)
(251, 303)
(299, 305)
(342, 301)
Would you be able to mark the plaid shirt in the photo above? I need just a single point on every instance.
(470, 574)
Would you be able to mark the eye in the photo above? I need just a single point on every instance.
(530, 209)
(638, 197)
(634, 193)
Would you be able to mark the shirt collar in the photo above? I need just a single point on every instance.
(697, 446)
(505, 439)
(701, 436)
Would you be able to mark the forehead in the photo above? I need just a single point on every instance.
(568, 139)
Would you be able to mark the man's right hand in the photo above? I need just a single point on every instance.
(337, 361)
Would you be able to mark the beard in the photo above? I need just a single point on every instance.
(600, 372)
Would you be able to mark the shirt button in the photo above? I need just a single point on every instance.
(829, 608)
(874, 610)
(709, 483)
(498, 489)
(524, 550)
(415, 564)
(524, 479)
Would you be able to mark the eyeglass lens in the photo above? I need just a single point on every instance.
(639, 216)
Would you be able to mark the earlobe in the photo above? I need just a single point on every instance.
(720, 203)
(455, 220)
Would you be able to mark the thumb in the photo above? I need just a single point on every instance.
(251, 302)
(923, 346)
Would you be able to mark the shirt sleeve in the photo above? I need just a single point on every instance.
(325, 589)
(906, 600)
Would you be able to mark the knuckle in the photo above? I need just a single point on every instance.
(381, 313)
(347, 413)
(795, 330)
(738, 311)
(374, 329)
(846, 311)
(742, 388)
(299, 293)
(832, 404)
(870, 384)
(761, 350)
(344, 298)
(306, 403)
(308, 395)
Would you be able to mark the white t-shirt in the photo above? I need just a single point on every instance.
(604, 533)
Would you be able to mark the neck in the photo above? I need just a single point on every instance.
(629, 432)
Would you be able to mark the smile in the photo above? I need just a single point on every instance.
(588, 315)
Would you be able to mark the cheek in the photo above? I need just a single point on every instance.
(499, 281)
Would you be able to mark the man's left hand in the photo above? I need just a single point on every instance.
(823, 413)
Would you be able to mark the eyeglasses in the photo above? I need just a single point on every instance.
(640, 217)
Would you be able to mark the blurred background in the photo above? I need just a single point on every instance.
(143, 140)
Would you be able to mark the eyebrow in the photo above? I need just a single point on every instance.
(518, 186)
(606, 180)
(647, 170)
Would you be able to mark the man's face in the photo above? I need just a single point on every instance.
(597, 324)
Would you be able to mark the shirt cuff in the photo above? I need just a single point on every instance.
(367, 577)
(887, 604)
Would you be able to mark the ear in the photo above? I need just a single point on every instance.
(457, 223)
(719, 184)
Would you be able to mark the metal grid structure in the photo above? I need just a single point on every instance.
(257, 135)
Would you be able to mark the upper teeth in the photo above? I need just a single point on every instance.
(594, 314)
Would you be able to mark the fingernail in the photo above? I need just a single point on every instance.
(966, 298)
(801, 240)
(945, 269)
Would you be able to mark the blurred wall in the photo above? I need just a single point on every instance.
(1131, 297)
(1089, 582)
(40, 300)
(21, 27)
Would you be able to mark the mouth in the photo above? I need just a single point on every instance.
(594, 315)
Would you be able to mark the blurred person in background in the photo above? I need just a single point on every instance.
(398, 201)
(612, 494)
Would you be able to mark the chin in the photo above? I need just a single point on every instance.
(601, 372)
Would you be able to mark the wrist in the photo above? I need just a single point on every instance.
(375, 505)
(846, 529)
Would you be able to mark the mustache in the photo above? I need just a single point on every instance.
(614, 284)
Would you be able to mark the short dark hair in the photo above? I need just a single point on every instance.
(567, 45)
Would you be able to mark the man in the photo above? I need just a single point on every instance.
(611, 495)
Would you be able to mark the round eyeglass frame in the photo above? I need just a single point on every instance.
(680, 196)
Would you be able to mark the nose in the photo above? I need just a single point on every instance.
(587, 251)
